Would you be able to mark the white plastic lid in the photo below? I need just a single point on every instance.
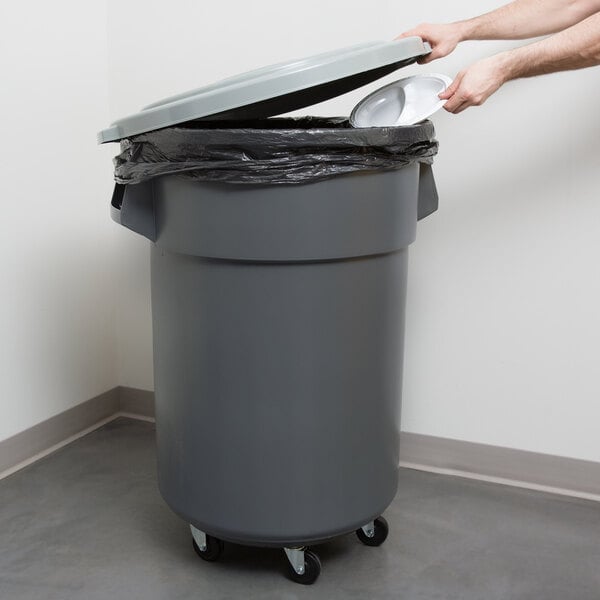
(275, 89)
(403, 102)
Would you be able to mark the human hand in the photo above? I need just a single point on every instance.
(475, 84)
(442, 38)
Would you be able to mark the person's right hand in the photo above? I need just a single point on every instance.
(475, 84)
(442, 39)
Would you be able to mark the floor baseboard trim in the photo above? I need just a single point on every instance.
(518, 468)
(135, 416)
(55, 447)
(136, 402)
(501, 481)
(572, 476)
(29, 446)
(45, 437)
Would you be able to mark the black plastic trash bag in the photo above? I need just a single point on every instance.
(271, 151)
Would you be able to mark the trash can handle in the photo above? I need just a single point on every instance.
(133, 207)
(116, 202)
(428, 194)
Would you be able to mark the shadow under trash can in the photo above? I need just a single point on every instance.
(279, 263)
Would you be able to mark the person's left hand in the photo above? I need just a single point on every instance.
(474, 85)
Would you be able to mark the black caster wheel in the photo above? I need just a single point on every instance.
(379, 536)
(213, 551)
(312, 569)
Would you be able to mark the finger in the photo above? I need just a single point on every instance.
(433, 55)
(457, 106)
(453, 103)
(451, 89)
(462, 107)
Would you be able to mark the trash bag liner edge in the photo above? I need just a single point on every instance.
(272, 151)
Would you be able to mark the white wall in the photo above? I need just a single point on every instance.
(57, 248)
(503, 325)
(503, 321)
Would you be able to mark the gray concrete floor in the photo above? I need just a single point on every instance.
(88, 523)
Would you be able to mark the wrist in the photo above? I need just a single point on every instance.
(504, 66)
(464, 30)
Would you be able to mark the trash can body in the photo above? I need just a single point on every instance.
(278, 315)
(279, 264)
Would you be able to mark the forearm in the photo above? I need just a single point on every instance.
(574, 48)
(523, 19)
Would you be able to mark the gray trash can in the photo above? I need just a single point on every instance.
(278, 323)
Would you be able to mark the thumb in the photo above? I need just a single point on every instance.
(449, 91)
(410, 33)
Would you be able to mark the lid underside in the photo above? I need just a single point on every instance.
(276, 89)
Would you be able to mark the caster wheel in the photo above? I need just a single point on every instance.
(379, 536)
(213, 551)
(312, 569)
